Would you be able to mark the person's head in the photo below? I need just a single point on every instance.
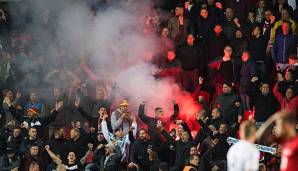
(158, 112)
(194, 160)
(32, 133)
(265, 88)
(71, 157)
(34, 166)
(226, 88)
(223, 128)
(100, 94)
(152, 156)
(248, 131)
(143, 134)
(286, 26)
(16, 132)
(100, 136)
(214, 141)
(290, 93)
(293, 59)
(102, 110)
(185, 136)
(256, 31)
(204, 13)
(251, 16)
(190, 39)
(268, 14)
(285, 127)
(289, 76)
(171, 55)
(281, 1)
(285, 14)
(165, 32)
(193, 150)
(245, 56)
(58, 132)
(33, 96)
(57, 92)
(202, 113)
(173, 133)
(7, 93)
(118, 133)
(217, 29)
(10, 153)
(261, 4)
(32, 112)
(123, 105)
(109, 149)
(210, 2)
(74, 134)
(228, 51)
(179, 11)
(163, 166)
(262, 167)
(215, 113)
(229, 13)
(34, 149)
(238, 34)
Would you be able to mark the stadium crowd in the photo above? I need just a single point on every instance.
(237, 58)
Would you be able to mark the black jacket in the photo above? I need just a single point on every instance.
(58, 146)
(215, 46)
(7, 165)
(257, 48)
(37, 122)
(265, 105)
(112, 163)
(191, 57)
(79, 146)
(139, 155)
(182, 148)
(152, 122)
(93, 120)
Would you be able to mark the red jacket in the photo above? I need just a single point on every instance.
(291, 104)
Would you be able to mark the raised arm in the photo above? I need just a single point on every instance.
(141, 113)
(277, 94)
(104, 127)
(54, 113)
(87, 70)
(176, 112)
(82, 112)
(55, 158)
(18, 116)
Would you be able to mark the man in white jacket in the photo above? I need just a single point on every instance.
(118, 138)
(244, 156)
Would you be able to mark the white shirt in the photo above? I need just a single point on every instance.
(243, 156)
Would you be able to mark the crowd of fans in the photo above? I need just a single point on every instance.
(237, 58)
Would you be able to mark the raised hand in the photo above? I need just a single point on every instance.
(201, 80)
(18, 94)
(254, 79)
(77, 103)
(58, 105)
(218, 5)
(47, 147)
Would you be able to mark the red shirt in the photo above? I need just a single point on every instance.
(289, 155)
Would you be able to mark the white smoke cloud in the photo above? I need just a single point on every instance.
(116, 46)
